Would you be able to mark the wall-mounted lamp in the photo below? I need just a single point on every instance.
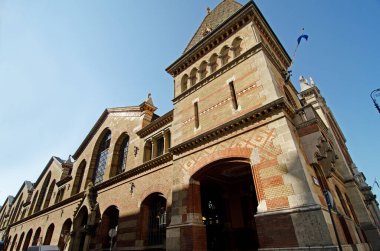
(136, 150)
(132, 187)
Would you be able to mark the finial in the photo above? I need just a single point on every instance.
(312, 82)
(68, 161)
(304, 84)
(149, 95)
(208, 10)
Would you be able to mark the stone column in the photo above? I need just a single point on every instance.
(154, 148)
(166, 141)
(186, 230)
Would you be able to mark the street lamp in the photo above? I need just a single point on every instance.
(373, 93)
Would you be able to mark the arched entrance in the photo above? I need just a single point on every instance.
(49, 234)
(65, 234)
(36, 239)
(228, 205)
(13, 242)
(20, 241)
(27, 240)
(153, 221)
(110, 220)
(80, 224)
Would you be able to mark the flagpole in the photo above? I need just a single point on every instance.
(289, 71)
(295, 51)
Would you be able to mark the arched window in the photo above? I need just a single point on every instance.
(49, 234)
(33, 203)
(20, 241)
(120, 155)
(213, 62)
(224, 55)
(101, 158)
(13, 242)
(16, 211)
(203, 70)
(193, 76)
(110, 220)
(59, 196)
(36, 238)
(154, 219)
(65, 234)
(148, 151)
(42, 193)
(19, 211)
(27, 239)
(49, 194)
(23, 214)
(184, 81)
(78, 177)
(342, 202)
(351, 209)
(236, 46)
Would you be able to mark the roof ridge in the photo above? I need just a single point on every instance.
(213, 19)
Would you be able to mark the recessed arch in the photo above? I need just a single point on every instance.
(13, 242)
(153, 220)
(184, 82)
(148, 151)
(49, 194)
(33, 203)
(110, 220)
(49, 234)
(78, 177)
(20, 241)
(236, 46)
(224, 55)
(36, 238)
(202, 70)
(27, 239)
(213, 62)
(120, 155)
(224, 193)
(99, 158)
(65, 234)
(193, 76)
(42, 193)
(80, 222)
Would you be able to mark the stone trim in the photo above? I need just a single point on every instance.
(251, 117)
(156, 124)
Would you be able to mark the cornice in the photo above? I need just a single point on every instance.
(251, 117)
(156, 124)
(46, 210)
(137, 170)
(140, 169)
(64, 181)
(247, 54)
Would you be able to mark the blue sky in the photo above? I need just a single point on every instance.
(63, 62)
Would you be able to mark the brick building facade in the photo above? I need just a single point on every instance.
(240, 163)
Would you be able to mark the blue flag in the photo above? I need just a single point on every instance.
(302, 36)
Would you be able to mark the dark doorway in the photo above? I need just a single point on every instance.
(229, 204)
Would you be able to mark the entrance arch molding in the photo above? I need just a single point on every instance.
(237, 153)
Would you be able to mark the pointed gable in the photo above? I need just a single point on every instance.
(213, 19)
